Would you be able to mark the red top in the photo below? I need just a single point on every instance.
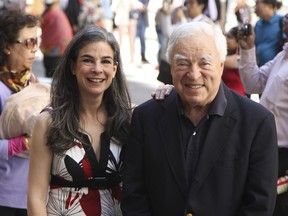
(232, 79)
(56, 32)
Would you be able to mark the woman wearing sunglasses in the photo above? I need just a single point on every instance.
(18, 44)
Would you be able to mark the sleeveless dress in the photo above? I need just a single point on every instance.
(82, 185)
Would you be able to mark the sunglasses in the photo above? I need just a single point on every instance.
(29, 43)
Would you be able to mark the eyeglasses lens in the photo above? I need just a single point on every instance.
(31, 43)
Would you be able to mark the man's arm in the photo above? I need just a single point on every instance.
(253, 78)
(260, 193)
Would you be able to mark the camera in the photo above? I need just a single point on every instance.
(247, 29)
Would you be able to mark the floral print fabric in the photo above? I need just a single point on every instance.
(80, 163)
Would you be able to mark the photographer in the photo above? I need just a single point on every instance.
(271, 81)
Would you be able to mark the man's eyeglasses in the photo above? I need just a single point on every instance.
(29, 43)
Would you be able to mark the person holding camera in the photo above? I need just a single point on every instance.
(270, 80)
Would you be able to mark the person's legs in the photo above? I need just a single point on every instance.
(21, 212)
(160, 38)
(7, 211)
(141, 34)
(108, 24)
(132, 34)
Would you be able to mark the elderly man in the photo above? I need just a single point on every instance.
(270, 80)
(203, 150)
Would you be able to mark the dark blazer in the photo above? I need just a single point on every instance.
(236, 172)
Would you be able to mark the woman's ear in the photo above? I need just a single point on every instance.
(7, 51)
(115, 68)
(72, 67)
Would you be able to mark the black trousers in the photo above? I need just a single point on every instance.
(281, 208)
(50, 64)
(7, 211)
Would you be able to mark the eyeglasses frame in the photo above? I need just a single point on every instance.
(26, 43)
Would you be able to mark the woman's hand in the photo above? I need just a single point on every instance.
(162, 91)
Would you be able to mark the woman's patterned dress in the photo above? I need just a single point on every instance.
(82, 185)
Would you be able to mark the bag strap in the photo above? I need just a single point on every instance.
(281, 39)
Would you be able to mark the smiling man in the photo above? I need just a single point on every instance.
(204, 150)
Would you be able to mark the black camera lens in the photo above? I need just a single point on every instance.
(247, 29)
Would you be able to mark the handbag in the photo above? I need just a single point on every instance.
(21, 108)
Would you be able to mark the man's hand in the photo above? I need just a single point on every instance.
(246, 42)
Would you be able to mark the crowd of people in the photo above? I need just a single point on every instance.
(199, 146)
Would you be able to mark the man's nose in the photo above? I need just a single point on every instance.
(194, 72)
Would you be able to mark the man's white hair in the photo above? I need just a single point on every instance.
(195, 29)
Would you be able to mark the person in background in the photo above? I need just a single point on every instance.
(18, 45)
(192, 10)
(270, 80)
(204, 149)
(142, 24)
(126, 18)
(72, 12)
(79, 139)
(213, 10)
(242, 12)
(108, 15)
(13, 4)
(163, 24)
(268, 44)
(230, 75)
(56, 34)
(91, 13)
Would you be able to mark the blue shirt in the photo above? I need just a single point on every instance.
(267, 35)
(107, 11)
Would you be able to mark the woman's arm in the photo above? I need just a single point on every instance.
(231, 61)
(40, 167)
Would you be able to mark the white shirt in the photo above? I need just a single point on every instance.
(272, 81)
